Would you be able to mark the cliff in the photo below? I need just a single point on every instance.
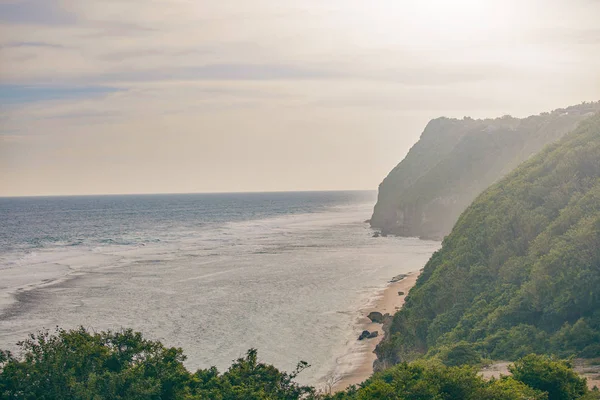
(455, 160)
(520, 271)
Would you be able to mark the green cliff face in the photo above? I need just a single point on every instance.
(520, 272)
(455, 160)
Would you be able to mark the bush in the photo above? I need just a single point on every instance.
(460, 354)
(557, 378)
(77, 365)
(511, 389)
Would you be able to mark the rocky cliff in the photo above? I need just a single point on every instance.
(455, 160)
(520, 271)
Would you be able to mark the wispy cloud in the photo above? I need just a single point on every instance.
(31, 44)
(226, 72)
(44, 12)
(16, 94)
(239, 88)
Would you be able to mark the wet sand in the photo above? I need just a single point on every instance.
(389, 302)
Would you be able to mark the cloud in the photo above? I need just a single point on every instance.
(152, 40)
(225, 72)
(15, 94)
(31, 44)
(43, 12)
(207, 94)
(570, 36)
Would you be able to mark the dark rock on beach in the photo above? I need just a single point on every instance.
(398, 278)
(364, 335)
(368, 335)
(376, 317)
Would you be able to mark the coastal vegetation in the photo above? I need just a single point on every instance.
(517, 279)
(519, 273)
(81, 365)
(455, 160)
(77, 364)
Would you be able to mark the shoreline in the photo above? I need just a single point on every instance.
(389, 302)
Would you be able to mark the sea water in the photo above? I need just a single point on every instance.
(215, 274)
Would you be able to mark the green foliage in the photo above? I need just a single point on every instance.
(77, 365)
(591, 395)
(509, 388)
(249, 379)
(462, 353)
(553, 377)
(519, 273)
(421, 381)
(428, 380)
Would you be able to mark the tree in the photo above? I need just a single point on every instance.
(557, 378)
(509, 388)
(460, 354)
(80, 365)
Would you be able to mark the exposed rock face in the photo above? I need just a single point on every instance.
(376, 317)
(455, 160)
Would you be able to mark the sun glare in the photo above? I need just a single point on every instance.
(460, 19)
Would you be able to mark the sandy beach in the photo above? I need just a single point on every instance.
(389, 302)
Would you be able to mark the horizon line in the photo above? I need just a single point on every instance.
(184, 193)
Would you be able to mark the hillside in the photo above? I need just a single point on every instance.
(455, 160)
(520, 272)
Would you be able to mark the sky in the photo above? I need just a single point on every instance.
(181, 96)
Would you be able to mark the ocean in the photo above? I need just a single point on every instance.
(215, 274)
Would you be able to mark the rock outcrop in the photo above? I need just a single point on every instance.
(368, 335)
(520, 271)
(376, 317)
(455, 160)
(364, 335)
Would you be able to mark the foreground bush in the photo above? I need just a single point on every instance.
(73, 365)
(425, 381)
(557, 378)
(79, 365)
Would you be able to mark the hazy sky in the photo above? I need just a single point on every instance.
(146, 96)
